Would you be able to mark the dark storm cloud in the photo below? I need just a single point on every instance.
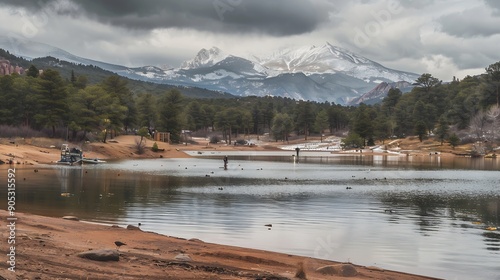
(278, 17)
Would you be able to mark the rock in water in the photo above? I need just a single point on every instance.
(348, 270)
(131, 227)
(344, 270)
(327, 270)
(71, 218)
(101, 255)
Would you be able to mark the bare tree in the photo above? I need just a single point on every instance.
(140, 145)
(494, 120)
(478, 124)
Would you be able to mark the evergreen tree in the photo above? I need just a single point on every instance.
(282, 126)
(8, 114)
(208, 116)
(363, 123)
(442, 129)
(170, 108)
(420, 130)
(196, 115)
(146, 110)
(492, 87)
(391, 100)
(117, 87)
(321, 122)
(32, 71)
(227, 121)
(382, 128)
(304, 118)
(353, 141)
(427, 82)
(454, 140)
(73, 78)
(92, 109)
(51, 100)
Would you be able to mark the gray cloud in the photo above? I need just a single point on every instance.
(278, 18)
(470, 23)
(495, 4)
(445, 37)
(416, 4)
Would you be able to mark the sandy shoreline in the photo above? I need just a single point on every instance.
(47, 248)
(46, 151)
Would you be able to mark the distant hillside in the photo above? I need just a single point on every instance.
(315, 73)
(96, 75)
(377, 94)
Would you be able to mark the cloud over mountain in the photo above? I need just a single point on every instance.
(278, 17)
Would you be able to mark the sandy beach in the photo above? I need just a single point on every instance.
(48, 248)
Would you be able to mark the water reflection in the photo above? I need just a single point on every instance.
(409, 219)
(431, 161)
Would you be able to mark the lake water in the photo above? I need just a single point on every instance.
(424, 215)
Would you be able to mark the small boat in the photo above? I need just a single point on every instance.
(92, 160)
(70, 156)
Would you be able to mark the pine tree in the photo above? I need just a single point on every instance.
(51, 101)
(170, 111)
(420, 130)
(442, 129)
(32, 71)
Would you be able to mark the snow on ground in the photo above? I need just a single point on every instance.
(331, 143)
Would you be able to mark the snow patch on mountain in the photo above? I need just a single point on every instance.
(205, 58)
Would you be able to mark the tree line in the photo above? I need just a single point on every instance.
(467, 107)
(78, 110)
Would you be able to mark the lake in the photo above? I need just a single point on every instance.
(426, 215)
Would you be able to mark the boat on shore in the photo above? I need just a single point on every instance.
(75, 156)
(92, 160)
(70, 156)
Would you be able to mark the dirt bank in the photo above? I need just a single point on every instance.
(47, 248)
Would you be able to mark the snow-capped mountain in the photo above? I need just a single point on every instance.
(205, 58)
(326, 73)
(377, 94)
(330, 59)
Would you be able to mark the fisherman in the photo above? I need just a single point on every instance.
(225, 162)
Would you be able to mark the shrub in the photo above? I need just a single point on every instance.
(352, 141)
(454, 140)
(155, 147)
(140, 145)
(214, 139)
(241, 142)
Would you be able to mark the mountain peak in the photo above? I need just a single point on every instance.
(205, 58)
(312, 59)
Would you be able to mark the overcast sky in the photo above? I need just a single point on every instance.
(443, 37)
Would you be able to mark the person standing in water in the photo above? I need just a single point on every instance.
(225, 162)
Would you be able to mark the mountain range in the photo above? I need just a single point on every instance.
(325, 73)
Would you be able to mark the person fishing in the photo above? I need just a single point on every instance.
(225, 162)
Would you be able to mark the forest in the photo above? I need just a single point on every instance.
(45, 103)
